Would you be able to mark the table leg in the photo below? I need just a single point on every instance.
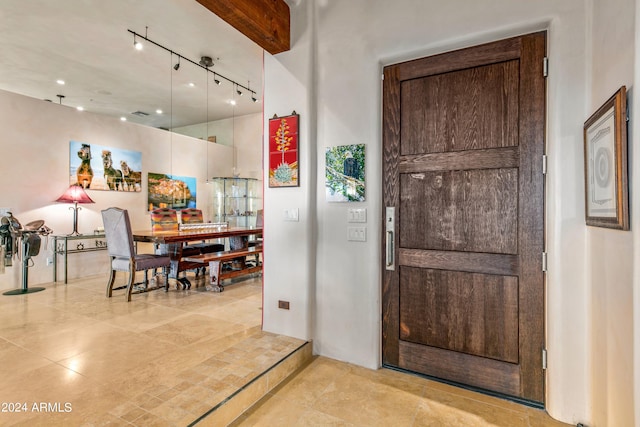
(55, 259)
(66, 250)
(215, 268)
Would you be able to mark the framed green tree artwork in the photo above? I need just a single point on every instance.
(345, 173)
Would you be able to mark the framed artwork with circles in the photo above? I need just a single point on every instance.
(605, 164)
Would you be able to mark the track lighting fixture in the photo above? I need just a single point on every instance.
(136, 43)
(205, 62)
(253, 94)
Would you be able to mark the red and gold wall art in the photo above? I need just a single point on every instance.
(283, 151)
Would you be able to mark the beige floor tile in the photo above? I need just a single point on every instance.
(273, 411)
(191, 328)
(152, 316)
(396, 380)
(433, 413)
(59, 345)
(318, 419)
(474, 406)
(361, 401)
(539, 418)
(243, 400)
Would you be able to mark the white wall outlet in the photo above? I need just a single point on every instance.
(357, 215)
(357, 234)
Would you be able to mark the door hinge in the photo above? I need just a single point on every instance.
(544, 164)
(544, 262)
(544, 358)
(545, 67)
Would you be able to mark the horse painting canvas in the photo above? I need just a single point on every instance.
(96, 167)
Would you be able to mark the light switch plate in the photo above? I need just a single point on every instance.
(357, 234)
(291, 214)
(357, 215)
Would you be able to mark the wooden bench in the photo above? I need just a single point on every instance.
(217, 259)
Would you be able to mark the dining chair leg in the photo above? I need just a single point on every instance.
(132, 277)
(112, 279)
(165, 271)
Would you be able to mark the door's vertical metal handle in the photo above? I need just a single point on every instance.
(390, 228)
(390, 254)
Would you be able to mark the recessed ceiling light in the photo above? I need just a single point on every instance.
(80, 108)
(123, 119)
(60, 81)
(158, 111)
(232, 102)
(191, 84)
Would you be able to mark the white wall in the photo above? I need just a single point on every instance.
(331, 77)
(35, 164)
(610, 252)
(289, 249)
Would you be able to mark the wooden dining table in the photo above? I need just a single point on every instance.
(171, 242)
(193, 234)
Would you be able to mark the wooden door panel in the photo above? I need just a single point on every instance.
(465, 312)
(463, 139)
(465, 160)
(473, 211)
(461, 368)
(460, 261)
(469, 109)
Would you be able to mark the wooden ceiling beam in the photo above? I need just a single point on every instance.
(266, 22)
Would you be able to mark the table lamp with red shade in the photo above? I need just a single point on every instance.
(75, 194)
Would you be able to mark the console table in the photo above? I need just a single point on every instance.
(83, 243)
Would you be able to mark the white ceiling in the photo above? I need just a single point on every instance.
(86, 43)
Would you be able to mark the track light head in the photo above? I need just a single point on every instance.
(218, 82)
(254, 99)
(177, 66)
(206, 61)
(239, 92)
(136, 44)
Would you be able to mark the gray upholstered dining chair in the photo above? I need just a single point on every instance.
(117, 228)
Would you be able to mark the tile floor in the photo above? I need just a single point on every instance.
(165, 359)
(331, 393)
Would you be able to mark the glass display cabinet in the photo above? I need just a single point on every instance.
(236, 200)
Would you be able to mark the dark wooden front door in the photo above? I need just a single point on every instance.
(463, 286)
